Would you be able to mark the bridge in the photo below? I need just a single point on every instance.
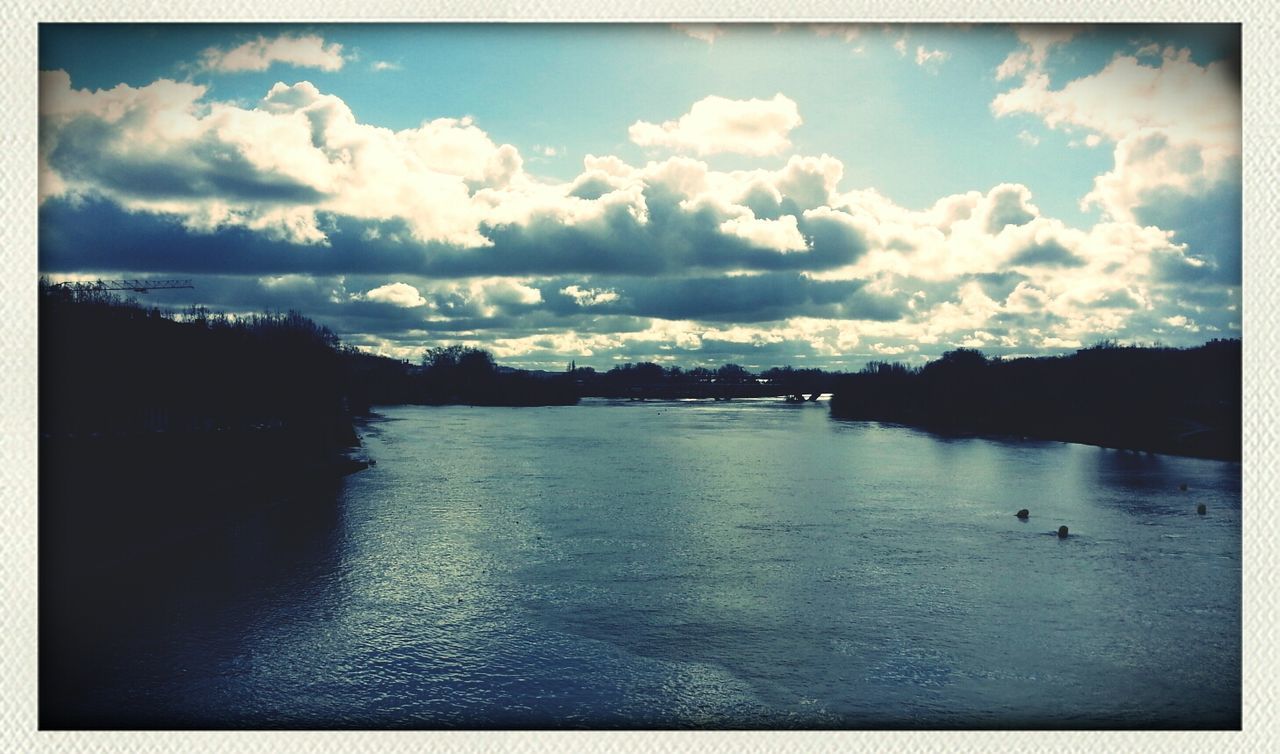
(719, 391)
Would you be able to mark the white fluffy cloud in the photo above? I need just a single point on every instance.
(481, 297)
(1188, 101)
(1149, 162)
(1176, 124)
(716, 124)
(163, 148)
(397, 294)
(300, 50)
(779, 235)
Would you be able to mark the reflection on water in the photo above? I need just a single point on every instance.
(686, 564)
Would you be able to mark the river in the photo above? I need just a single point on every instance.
(749, 564)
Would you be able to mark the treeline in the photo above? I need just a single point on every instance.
(168, 441)
(155, 427)
(452, 375)
(1181, 401)
(111, 365)
(462, 374)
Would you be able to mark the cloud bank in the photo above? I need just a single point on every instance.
(440, 233)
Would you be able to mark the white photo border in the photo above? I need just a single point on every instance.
(18, 379)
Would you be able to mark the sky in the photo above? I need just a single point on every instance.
(767, 195)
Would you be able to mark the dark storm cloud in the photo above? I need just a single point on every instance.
(997, 285)
(1117, 299)
(97, 234)
(1049, 253)
(1207, 297)
(1022, 321)
(764, 203)
(674, 239)
(834, 243)
(1008, 208)
(1173, 268)
(1210, 225)
(755, 298)
(538, 322)
(242, 293)
(591, 188)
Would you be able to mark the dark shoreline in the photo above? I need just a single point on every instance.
(954, 434)
(146, 529)
(1185, 402)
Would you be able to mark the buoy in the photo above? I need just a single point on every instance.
(1062, 532)
(1023, 514)
(1200, 509)
(1183, 486)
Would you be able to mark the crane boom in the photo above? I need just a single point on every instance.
(137, 286)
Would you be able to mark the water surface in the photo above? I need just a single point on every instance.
(694, 564)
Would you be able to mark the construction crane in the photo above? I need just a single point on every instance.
(137, 286)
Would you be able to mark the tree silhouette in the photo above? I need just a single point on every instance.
(1185, 401)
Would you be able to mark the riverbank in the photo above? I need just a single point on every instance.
(1184, 402)
(138, 529)
(111, 501)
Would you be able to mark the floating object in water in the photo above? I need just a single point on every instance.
(1200, 509)
(1183, 486)
(1062, 532)
(1023, 514)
